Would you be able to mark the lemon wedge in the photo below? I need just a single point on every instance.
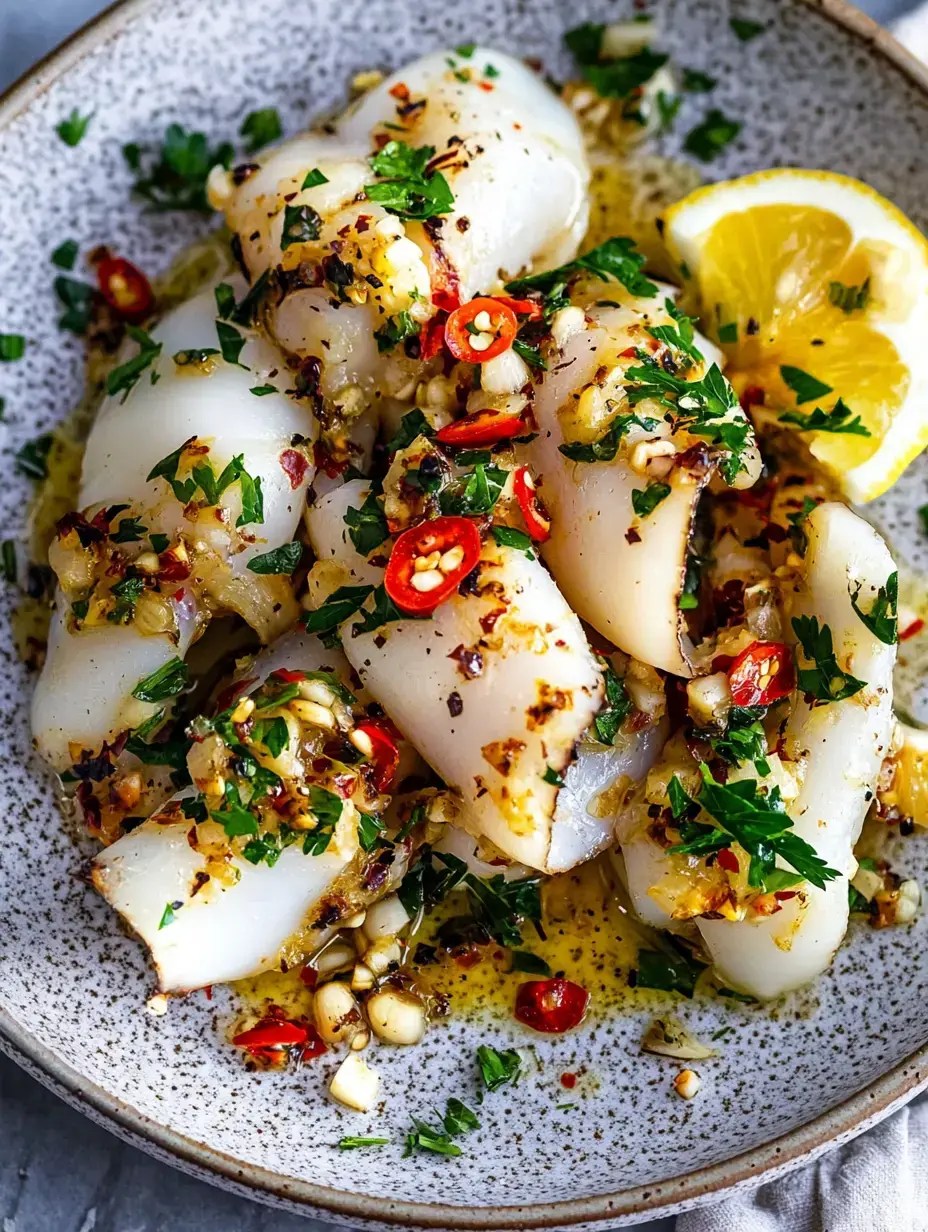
(816, 288)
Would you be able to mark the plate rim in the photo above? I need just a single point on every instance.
(866, 1108)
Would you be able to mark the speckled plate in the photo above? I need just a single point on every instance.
(823, 87)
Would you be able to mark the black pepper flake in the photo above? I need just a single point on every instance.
(632, 536)
(455, 705)
(243, 172)
(469, 661)
(752, 327)
(373, 280)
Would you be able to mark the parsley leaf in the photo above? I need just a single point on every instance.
(746, 30)
(646, 500)
(883, 618)
(501, 905)
(710, 137)
(282, 560)
(383, 612)
(367, 526)
(605, 449)
(695, 82)
(474, 493)
(824, 681)
(327, 809)
(838, 419)
(338, 607)
(396, 330)
(744, 740)
(806, 387)
(77, 299)
(404, 188)
(167, 681)
(124, 378)
(12, 347)
(65, 254)
(175, 178)
(168, 916)
(230, 341)
(302, 224)
(313, 179)
(459, 1119)
(621, 78)
(72, 129)
(260, 128)
(32, 458)
(352, 1143)
(677, 972)
(413, 424)
(617, 258)
(617, 706)
(498, 1068)
(234, 818)
(509, 537)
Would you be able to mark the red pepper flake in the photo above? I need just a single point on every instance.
(208, 989)
(295, 465)
(400, 90)
(233, 691)
(753, 396)
(309, 976)
(569, 1081)
(488, 86)
(782, 895)
(288, 676)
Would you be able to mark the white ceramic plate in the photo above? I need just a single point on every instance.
(821, 88)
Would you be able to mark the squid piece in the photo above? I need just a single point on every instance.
(353, 276)
(839, 748)
(187, 478)
(208, 910)
(827, 768)
(623, 571)
(499, 734)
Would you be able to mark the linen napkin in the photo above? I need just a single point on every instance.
(879, 1181)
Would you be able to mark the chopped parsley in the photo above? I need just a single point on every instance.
(175, 176)
(759, 823)
(806, 387)
(824, 680)
(404, 188)
(605, 449)
(260, 128)
(746, 30)
(234, 817)
(167, 681)
(646, 500)
(73, 128)
(617, 258)
(169, 915)
(231, 342)
(282, 560)
(883, 618)
(302, 225)
(396, 330)
(383, 612)
(127, 591)
(498, 1068)
(353, 1143)
(696, 82)
(530, 354)
(338, 607)
(458, 1118)
(124, 378)
(327, 809)
(8, 560)
(529, 964)
(728, 333)
(668, 972)
(849, 299)
(204, 478)
(668, 108)
(65, 254)
(412, 425)
(509, 537)
(77, 299)
(553, 777)
(367, 526)
(12, 347)
(743, 740)
(617, 706)
(613, 78)
(711, 137)
(838, 419)
(313, 179)
(474, 493)
(32, 458)
(261, 391)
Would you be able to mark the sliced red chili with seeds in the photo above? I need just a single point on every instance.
(480, 330)
(275, 1033)
(551, 1006)
(530, 308)
(386, 754)
(482, 428)
(762, 674)
(126, 289)
(536, 517)
(429, 561)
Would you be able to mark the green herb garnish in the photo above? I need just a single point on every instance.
(12, 347)
(838, 419)
(260, 128)
(849, 299)
(824, 681)
(167, 681)
(498, 1068)
(124, 378)
(175, 178)
(73, 129)
(646, 500)
(338, 607)
(509, 537)
(883, 618)
(605, 449)
(617, 258)
(396, 330)
(806, 387)
(710, 137)
(404, 188)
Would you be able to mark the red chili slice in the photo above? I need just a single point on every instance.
(551, 1006)
(536, 517)
(498, 335)
(382, 735)
(762, 674)
(441, 535)
(287, 676)
(126, 289)
(530, 308)
(273, 1034)
(482, 428)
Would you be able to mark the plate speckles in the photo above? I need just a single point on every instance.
(72, 986)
